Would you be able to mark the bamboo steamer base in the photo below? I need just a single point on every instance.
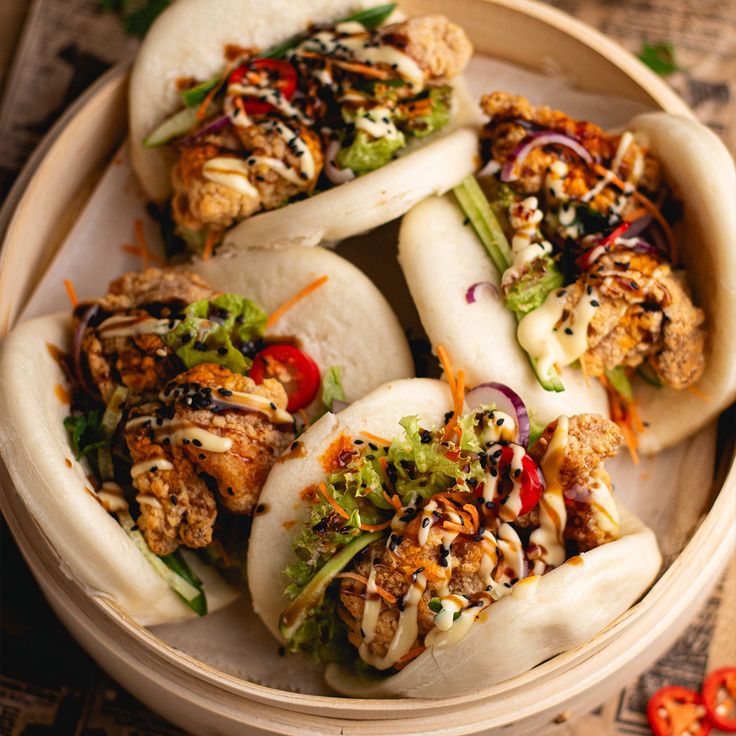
(205, 700)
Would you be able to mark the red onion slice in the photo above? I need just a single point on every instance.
(77, 346)
(535, 140)
(212, 127)
(471, 295)
(505, 400)
(333, 172)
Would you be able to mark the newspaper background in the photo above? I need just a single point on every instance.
(50, 51)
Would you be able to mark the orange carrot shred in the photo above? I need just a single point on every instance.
(205, 104)
(289, 303)
(394, 500)
(367, 71)
(375, 438)
(335, 505)
(446, 367)
(695, 391)
(209, 245)
(71, 292)
(648, 204)
(409, 656)
(388, 597)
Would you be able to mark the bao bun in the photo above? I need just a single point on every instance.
(538, 620)
(92, 546)
(441, 258)
(187, 41)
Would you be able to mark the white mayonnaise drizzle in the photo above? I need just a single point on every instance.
(232, 173)
(604, 507)
(268, 95)
(525, 217)
(377, 123)
(513, 553)
(549, 342)
(427, 519)
(146, 466)
(406, 631)
(180, 432)
(371, 609)
(552, 512)
(112, 497)
(500, 426)
(356, 48)
(122, 325)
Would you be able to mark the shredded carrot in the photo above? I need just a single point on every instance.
(637, 214)
(304, 417)
(289, 303)
(376, 527)
(353, 576)
(394, 500)
(695, 391)
(71, 292)
(451, 526)
(375, 438)
(626, 416)
(205, 104)
(446, 367)
(388, 597)
(409, 656)
(648, 204)
(335, 505)
(470, 509)
(458, 396)
(367, 71)
(209, 245)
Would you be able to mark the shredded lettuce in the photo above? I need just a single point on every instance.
(366, 154)
(332, 389)
(217, 331)
(529, 292)
(441, 108)
(85, 432)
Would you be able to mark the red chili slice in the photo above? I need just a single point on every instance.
(585, 261)
(674, 710)
(281, 75)
(298, 373)
(721, 684)
(531, 484)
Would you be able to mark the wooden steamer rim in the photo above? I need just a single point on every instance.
(191, 692)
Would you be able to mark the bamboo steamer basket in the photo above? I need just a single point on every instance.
(204, 700)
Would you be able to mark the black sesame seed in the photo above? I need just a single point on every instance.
(594, 303)
(357, 442)
(154, 468)
(568, 331)
(196, 443)
(490, 505)
(230, 491)
(260, 508)
(224, 392)
(425, 523)
(499, 422)
(443, 562)
(185, 441)
(222, 350)
(202, 456)
(173, 499)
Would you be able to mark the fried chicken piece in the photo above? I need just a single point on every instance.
(644, 312)
(591, 439)
(265, 139)
(256, 442)
(142, 362)
(176, 505)
(505, 131)
(394, 574)
(441, 48)
(198, 202)
(155, 286)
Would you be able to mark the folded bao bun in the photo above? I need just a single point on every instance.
(535, 622)
(346, 323)
(441, 257)
(187, 41)
(92, 547)
(342, 323)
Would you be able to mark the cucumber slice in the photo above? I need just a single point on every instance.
(188, 592)
(177, 125)
(293, 617)
(194, 96)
